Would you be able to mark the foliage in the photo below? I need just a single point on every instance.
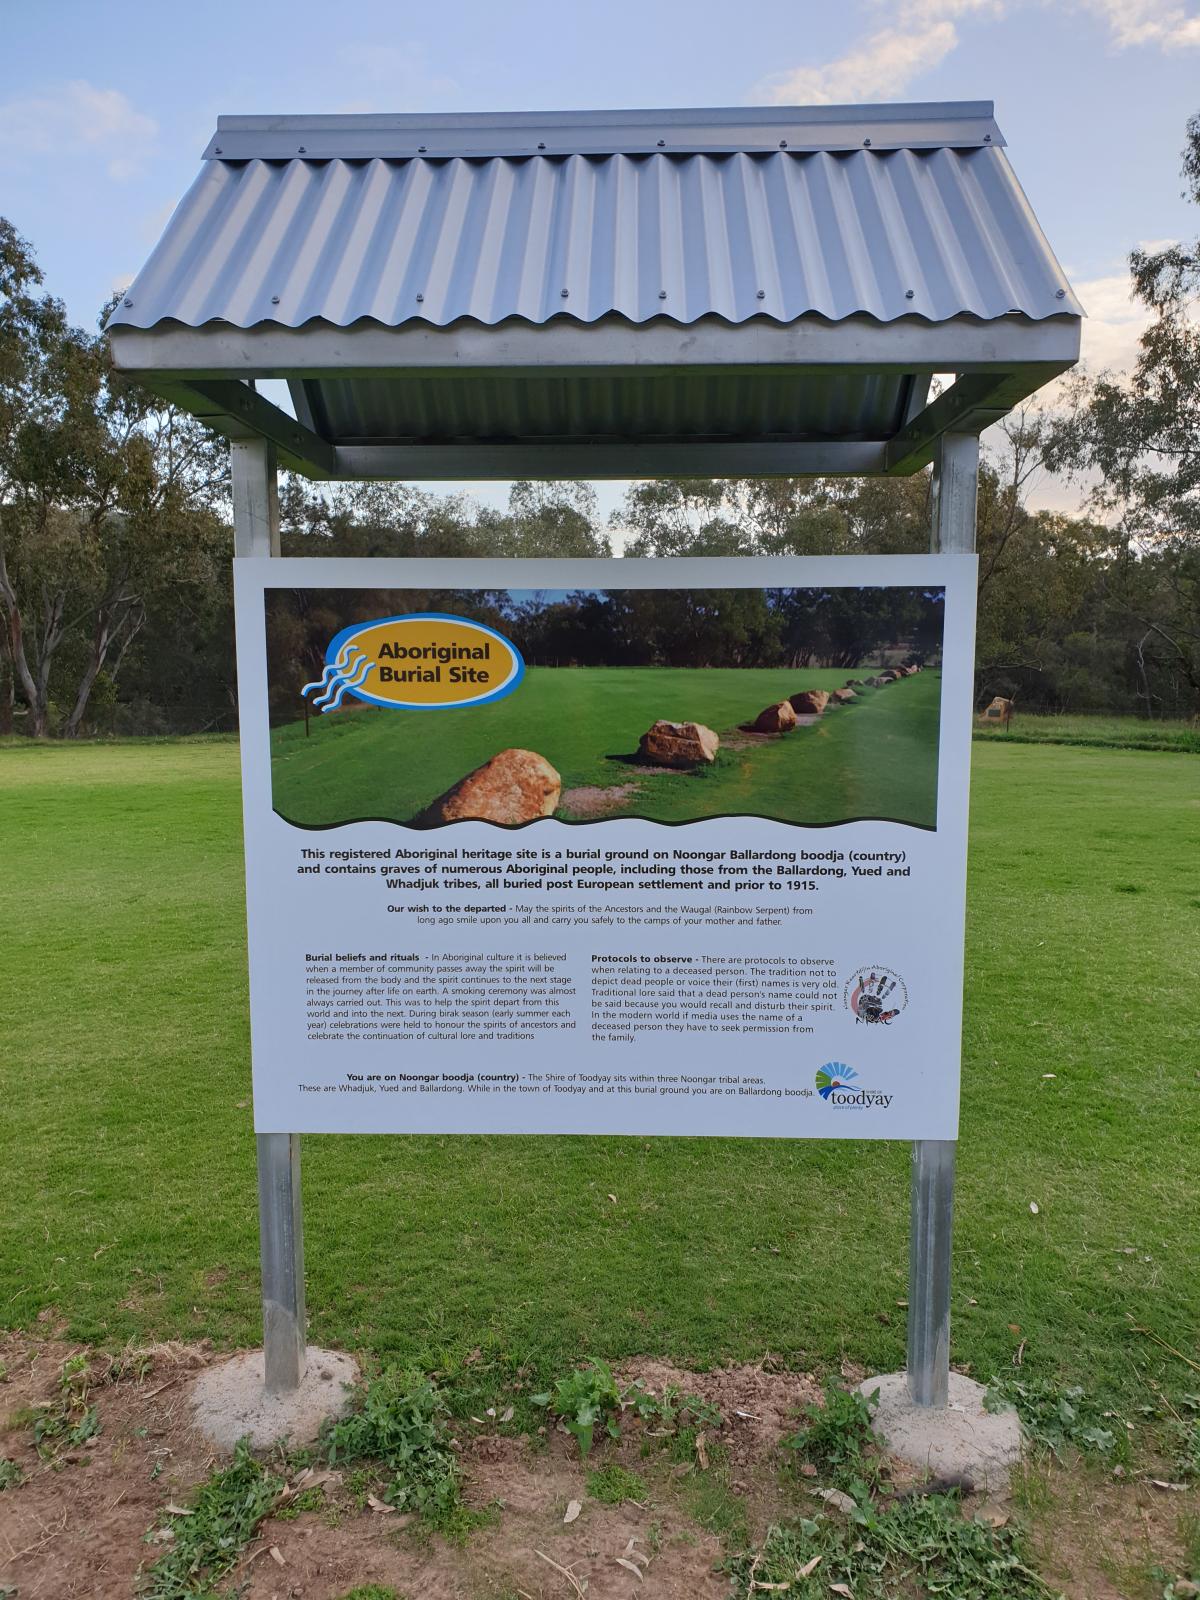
(205, 1545)
(585, 1397)
(66, 1421)
(1185, 1434)
(1054, 1417)
(919, 1545)
(372, 1591)
(1141, 434)
(837, 1439)
(399, 1421)
(615, 1484)
(10, 1473)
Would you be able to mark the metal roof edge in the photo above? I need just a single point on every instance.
(719, 130)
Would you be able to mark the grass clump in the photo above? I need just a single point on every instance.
(1055, 1418)
(837, 1439)
(372, 1591)
(399, 1421)
(66, 1421)
(583, 1399)
(614, 1485)
(10, 1473)
(916, 1546)
(206, 1545)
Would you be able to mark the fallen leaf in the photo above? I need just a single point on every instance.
(809, 1567)
(701, 1452)
(630, 1566)
(807, 1470)
(177, 1511)
(507, 1414)
(1161, 1483)
(843, 1589)
(491, 1411)
(835, 1497)
(380, 1505)
(613, 1198)
(574, 1507)
(1033, 1206)
(276, 1556)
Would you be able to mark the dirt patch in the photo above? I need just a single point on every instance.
(77, 1527)
(591, 801)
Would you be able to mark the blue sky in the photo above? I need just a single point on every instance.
(104, 113)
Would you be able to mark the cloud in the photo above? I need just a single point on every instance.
(1132, 23)
(74, 119)
(881, 64)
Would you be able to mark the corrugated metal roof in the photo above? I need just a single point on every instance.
(933, 232)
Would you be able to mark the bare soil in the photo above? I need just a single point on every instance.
(77, 1525)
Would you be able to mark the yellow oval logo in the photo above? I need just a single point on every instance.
(424, 662)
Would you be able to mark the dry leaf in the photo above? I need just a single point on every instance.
(630, 1566)
(807, 1470)
(843, 1589)
(491, 1411)
(1033, 1206)
(379, 1505)
(809, 1567)
(507, 1414)
(1161, 1483)
(177, 1511)
(701, 1452)
(613, 1198)
(277, 1555)
(574, 1507)
(835, 1497)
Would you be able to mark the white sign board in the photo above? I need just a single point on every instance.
(651, 847)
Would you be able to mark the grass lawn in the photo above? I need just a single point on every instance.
(1127, 733)
(875, 757)
(127, 1201)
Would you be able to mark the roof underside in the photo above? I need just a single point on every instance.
(623, 224)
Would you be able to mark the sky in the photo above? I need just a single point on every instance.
(104, 112)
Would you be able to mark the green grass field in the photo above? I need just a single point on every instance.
(1124, 733)
(127, 1205)
(876, 757)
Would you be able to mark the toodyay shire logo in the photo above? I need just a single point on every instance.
(838, 1085)
(428, 661)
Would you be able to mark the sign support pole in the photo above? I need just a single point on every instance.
(931, 1218)
(280, 1205)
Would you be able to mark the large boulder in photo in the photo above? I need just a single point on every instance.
(854, 683)
(513, 787)
(1000, 710)
(774, 719)
(808, 702)
(843, 697)
(889, 676)
(679, 744)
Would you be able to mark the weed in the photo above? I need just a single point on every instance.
(372, 1591)
(399, 1421)
(1053, 1417)
(670, 1409)
(838, 1440)
(66, 1421)
(306, 1500)
(582, 1399)
(206, 1544)
(921, 1545)
(1185, 1434)
(10, 1473)
(614, 1485)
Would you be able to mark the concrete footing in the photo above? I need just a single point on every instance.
(229, 1401)
(962, 1439)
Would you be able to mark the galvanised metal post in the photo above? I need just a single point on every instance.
(280, 1207)
(931, 1220)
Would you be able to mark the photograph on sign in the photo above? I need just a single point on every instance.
(607, 846)
(665, 704)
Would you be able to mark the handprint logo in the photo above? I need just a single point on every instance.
(876, 995)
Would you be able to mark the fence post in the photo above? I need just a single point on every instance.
(280, 1204)
(931, 1218)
